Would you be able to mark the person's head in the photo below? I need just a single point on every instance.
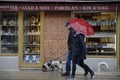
(67, 25)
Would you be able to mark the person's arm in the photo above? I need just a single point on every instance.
(83, 45)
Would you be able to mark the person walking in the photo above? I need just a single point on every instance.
(70, 47)
(79, 55)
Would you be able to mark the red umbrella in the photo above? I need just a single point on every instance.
(81, 26)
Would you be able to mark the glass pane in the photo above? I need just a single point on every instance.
(8, 32)
(103, 42)
(31, 53)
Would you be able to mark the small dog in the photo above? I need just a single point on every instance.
(52, 65)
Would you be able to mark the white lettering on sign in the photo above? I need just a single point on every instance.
(94, 8)
(44, 7)
(74, 7)
(102, 8)
(36, 7)
(66, 7)
(9, 7)
(57, 7)
(28, 7)
(13, 7)
(87, 8)
(4, 7)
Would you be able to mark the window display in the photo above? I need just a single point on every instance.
(8, 32)
(103, 42)
(31, 51)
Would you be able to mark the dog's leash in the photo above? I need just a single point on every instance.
(59, 57)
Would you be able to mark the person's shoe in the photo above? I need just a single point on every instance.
(65, 74)
(72, 76)
(86, 73)
(92, 75)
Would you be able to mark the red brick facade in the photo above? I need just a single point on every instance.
(56, 34)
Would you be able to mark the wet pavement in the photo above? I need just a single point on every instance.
(39, 75)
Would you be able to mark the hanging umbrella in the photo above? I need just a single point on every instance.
(81, 26)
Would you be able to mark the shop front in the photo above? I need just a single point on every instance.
(32, 34)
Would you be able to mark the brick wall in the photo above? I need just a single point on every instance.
(56, 34)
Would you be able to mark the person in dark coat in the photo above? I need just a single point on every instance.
(79, 55)
(70, 47)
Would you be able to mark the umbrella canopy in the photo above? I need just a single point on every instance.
(81, 26)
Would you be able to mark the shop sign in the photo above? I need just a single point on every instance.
(58, 7)
(61, 0)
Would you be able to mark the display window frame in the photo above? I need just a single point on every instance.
(39, 63)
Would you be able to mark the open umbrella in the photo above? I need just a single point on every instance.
(81, 26)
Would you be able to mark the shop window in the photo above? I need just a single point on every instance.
(31, 31)
(103, 42)
(8, 32)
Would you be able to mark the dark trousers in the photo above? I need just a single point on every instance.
(81, 64)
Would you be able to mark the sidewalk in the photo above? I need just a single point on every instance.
(39, 75)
